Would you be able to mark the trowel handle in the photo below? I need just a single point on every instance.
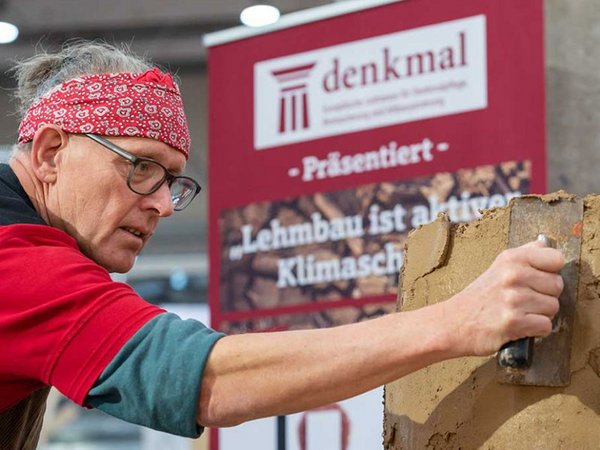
(516, 354)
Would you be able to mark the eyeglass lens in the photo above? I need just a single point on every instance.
(147, 176)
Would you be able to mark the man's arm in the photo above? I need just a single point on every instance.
(258, 375)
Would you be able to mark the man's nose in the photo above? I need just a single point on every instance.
(162, 201)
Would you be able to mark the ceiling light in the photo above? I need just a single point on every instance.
(8, 32)
(259, 15)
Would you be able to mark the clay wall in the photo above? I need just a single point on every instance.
(458, 404)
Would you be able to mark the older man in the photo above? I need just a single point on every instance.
(103, 144)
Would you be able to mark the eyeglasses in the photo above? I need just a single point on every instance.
(147, 176)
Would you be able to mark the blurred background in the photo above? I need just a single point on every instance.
(173, 269)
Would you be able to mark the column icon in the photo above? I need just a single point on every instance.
(293, 97)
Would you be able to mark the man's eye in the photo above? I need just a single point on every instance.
(144, 167)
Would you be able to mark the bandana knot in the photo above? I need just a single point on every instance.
(156, 76)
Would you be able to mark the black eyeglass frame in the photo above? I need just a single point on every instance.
(169, 178)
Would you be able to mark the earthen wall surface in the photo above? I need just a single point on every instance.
(458, 404)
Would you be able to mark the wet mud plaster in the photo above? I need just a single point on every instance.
(458, 404)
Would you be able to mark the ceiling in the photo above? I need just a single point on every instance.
(169, 32)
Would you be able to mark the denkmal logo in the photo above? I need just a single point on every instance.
(410, 75)
(294, 112)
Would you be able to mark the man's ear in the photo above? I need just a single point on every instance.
(47, 143)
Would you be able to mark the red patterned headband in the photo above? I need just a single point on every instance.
(114, 104)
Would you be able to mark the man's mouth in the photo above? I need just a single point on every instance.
(135, 232)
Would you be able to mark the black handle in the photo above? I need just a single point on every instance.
(516, 354)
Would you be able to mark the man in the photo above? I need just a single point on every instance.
(103, 144)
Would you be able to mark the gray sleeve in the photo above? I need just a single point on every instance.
(155, 378)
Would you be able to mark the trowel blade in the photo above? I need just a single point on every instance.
(560, 218)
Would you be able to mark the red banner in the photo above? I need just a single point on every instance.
(329, 141)
(331, 137)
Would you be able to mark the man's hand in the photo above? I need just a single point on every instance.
(516, 297)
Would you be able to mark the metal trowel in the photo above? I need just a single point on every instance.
(558, 221)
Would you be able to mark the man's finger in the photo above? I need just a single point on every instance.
(543, 282)
(536, 325)
(543, 258)
(545, 305)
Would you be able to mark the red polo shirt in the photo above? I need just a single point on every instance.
(62, 318)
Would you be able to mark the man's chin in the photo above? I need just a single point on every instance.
(118, 265)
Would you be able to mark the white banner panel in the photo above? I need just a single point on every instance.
(425, 72)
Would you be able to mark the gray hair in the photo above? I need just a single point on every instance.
(37, 75)
(40, 73)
